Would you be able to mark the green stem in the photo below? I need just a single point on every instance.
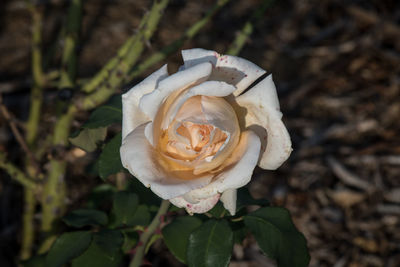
(36, 100)
(55, 188)
(116, 78)
(54, 191)
(242, 37)
(146, 235)
(112, 64)
(15, 173)
(69, 57)
(32, 131)
(173, 47)
(28, 231)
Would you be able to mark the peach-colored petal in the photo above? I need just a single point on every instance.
(219, 113)
(202, 206)
(239, 173)
(262, 115)
(233, 70)
(140, 158)
(132, 116)
(208, 88)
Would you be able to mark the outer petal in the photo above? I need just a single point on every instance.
(236, 175)
(233, 70)
(151, 102)
(229, 198)
(139, 157)
(132, 116)
(263, 117)
(203, 205)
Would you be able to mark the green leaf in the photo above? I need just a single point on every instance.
(68, 246)
(106, 115)
(210, 245)
(218, 210)
(131, 238)
(95, 256)
(82, 217)
(176, 235)
(244, 199)
(110, 160)
(240, 231)
(109, 240)
(146, 196)
(35, 261)
(142, 216)
(102, 195)
(124, 208)
(89, 139)
(277, 236)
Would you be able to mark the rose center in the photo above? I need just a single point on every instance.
(200, 134)
(195, 141)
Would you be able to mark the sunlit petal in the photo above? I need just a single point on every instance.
(262, 115)
(233, 70)
(151, 102)
(132, 116)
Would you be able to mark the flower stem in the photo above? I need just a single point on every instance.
(146, 236)
(69, 58)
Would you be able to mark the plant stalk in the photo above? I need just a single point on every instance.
(148, 233)
(118, 76)
(54, 191)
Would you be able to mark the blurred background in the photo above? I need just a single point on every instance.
(336, 65)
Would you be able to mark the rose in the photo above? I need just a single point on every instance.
(195, 136)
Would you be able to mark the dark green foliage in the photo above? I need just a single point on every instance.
(210, 245)
(278, 237)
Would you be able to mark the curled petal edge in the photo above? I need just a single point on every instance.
(260, 109)
(231, 69)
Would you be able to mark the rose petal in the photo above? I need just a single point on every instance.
(140, 158)
(148, 132)
(203, 205)
(132, 116)
(220, 114)
(151, 102)
(238, 174)
(233, 70)
(262, 112)
(208, 88)
(228, 198)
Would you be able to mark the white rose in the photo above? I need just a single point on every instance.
(194, 137)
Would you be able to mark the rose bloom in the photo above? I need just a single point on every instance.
(196, 136)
